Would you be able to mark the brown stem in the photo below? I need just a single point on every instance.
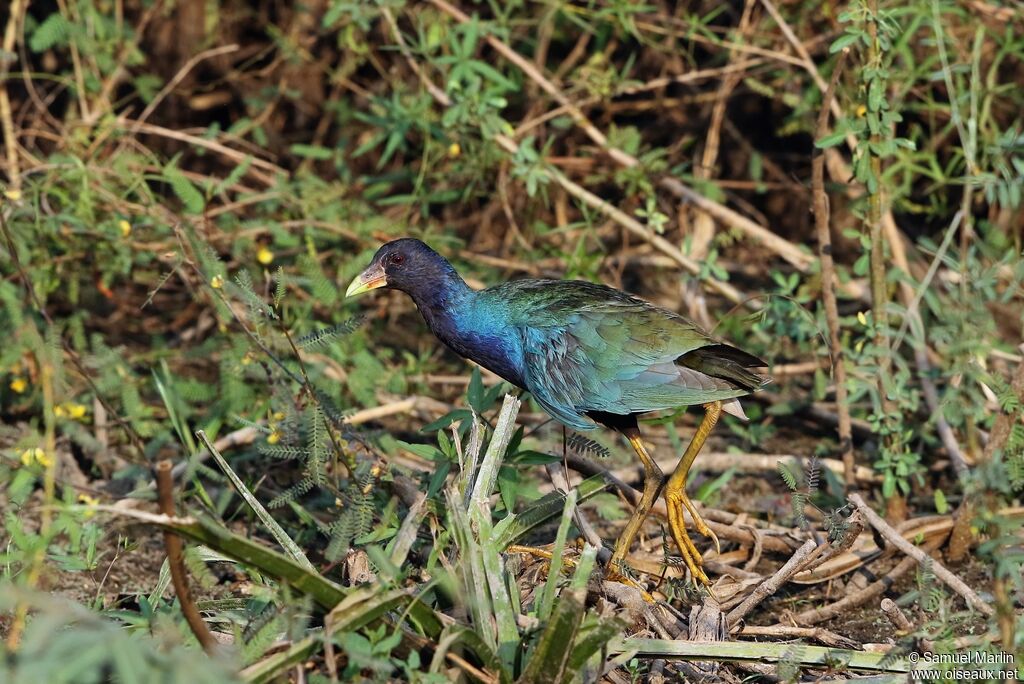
(828, 280)
(772, 584)
(879, 294)
(172, 542)
(896, 539)
(896, 616)
(859, 598)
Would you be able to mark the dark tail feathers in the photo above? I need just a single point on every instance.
(727, 363)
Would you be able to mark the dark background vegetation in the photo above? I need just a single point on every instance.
(188, 187)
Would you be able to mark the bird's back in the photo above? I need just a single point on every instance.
(591, 348)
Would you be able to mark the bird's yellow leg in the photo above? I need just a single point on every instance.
(676, 498)
(653, 479)
(539, 553)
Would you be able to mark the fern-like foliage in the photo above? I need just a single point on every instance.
(328, 335)
(787, 476)
(245, 291)
(198, 568)
(802, 487)
(586, 447)
(812, 473)
(357, 514)
(788, 669)
(931, 593)
(314, 454)
(280, 287)
(322, 287)
(1008, 400)
(837, 525)
(53, 32)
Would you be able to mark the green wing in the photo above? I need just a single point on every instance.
(589, 347)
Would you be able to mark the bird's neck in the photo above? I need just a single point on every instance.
(442, 303)
(471, 327)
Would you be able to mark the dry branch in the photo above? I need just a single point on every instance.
(828, 278)
(772, 584)
(897, 540)
(176, 562)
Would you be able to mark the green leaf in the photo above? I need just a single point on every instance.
(52, 32)
(831, 140)
(876, 94)
(787, 476)
(317, 152)
(427, 451)
(843, 41)
(551, 657)
(475, 392)
(190, 197)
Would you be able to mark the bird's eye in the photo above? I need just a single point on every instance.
(397, 259)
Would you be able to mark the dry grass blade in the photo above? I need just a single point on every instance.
(756, 653)
(286, 542)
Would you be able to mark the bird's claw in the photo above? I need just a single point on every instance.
(677, 523)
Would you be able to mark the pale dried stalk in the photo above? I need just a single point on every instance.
(897, 540)
(828, 280)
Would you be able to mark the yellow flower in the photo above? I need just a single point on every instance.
(19, 385)
(69, 409)
(36, 455)
(216, 282)
(13, 195)
(126, 228)
(76, 411)
(861, 318)
(278, 415)
(88, 501)
(861, 110)
(274, 437)
(454, 150)
(265, 256)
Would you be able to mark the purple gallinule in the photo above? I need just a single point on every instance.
(589, 354)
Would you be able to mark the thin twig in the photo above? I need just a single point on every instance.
(772, 584)
(819, 634)
(178, 78)
(828, 278)
(176, 562)
(897, 540)
(863, 596)
(6, 119)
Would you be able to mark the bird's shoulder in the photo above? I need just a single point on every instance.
(568, 304)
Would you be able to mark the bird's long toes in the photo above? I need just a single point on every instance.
(700, 524)
(691, 556)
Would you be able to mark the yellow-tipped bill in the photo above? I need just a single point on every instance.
(370, 279)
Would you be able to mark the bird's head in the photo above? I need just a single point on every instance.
(407, 265)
